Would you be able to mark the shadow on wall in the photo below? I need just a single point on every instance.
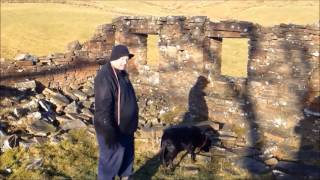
(308, 126)
(197, 112)
(197, 106)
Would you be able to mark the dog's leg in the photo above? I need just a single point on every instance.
(191, 150)
(163, 158)
(173, 155)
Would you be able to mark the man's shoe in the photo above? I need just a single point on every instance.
(126, 178)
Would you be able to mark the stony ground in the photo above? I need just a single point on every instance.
(48, 133)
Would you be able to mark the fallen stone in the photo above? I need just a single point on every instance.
(40, 96)
(190, 170)
(73, 116)
(273, 137)
(87, 112)
(34, 115)
(32, 105)
(228, 134)
(22, 86)
(85, 118)
(57, 102)
(41, 128)
(41, 139)
(72, 108)
(87, 104)
(62, 119)
(72, 124)
(246, 151)
(89, 91)
(48, 92)
(91, 99)
(271, 161)
(6, 102)
(203, 157)
(24, 63)
(252, 165)
(82, 96)
(67, 91)
(60, 100)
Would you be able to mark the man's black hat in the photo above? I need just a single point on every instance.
(120, 50)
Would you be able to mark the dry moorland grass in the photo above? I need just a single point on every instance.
(43, 28)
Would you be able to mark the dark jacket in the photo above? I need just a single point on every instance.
(106, 95)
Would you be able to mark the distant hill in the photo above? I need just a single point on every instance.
(41, 28)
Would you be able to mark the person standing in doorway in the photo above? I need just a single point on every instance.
(115, 117)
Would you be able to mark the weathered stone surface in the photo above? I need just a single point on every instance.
(271, 161)
(74, 123)
(59, 100)
(73, 116)
(87, 112)
(72, 108)
(26, 85)
(87, 104)
(88, 91)
(32, 105)
(68, 92)
(254, 166)
(41, 128)
(82, 96)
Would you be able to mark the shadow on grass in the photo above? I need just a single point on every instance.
(148, 169)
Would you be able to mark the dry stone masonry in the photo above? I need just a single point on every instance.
(271, 117)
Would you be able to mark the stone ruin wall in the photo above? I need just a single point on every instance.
(266, 109)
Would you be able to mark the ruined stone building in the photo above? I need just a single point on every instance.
(275, 108)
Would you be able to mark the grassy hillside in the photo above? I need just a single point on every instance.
(42, 28)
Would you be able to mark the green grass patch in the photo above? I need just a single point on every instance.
(234, 57)
(43, 28)
(73, 158)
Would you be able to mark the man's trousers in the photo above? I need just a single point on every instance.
(117, 161)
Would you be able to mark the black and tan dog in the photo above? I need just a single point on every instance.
(177, 139)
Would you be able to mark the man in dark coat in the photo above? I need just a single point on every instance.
(116, 116)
